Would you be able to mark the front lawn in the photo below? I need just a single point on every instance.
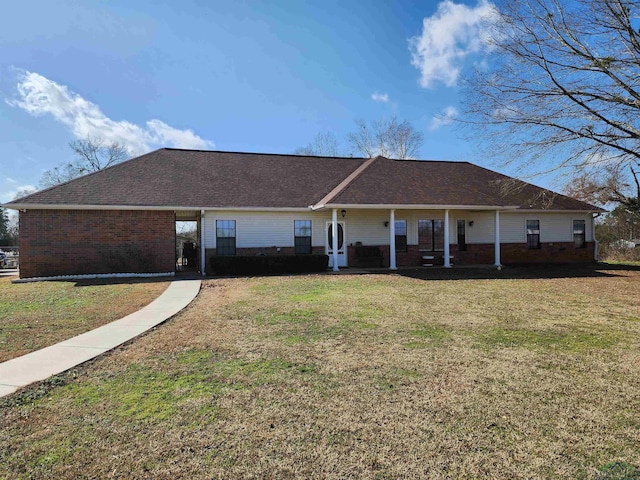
(36, 315)
(470, 374)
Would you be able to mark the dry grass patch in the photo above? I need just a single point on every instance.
(376, 376)
(36, 315)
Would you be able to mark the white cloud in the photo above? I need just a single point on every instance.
(9, 190)
(446, 117)
(453, 32)
(380, 97)
(39, 96)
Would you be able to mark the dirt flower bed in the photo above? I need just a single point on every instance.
(442, 374)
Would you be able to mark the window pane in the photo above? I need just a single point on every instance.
(438, 234)
(225, 228)
(533, 227)
(579, 233)
(226, 246)
(425, 234)
(401, 227)
(225, 237)
(302, 228)
(303, 245)
(533, 234)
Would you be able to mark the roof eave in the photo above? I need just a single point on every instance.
(48, 206)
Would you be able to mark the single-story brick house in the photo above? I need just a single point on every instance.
(122, 219)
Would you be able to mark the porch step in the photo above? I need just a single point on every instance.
(428, 257)
(427, 264)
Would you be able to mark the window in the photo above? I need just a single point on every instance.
(302, 236)
(462, 238)
(533, 234)
(225, 237)
(579, 234)
(401, 235)
(431, 234)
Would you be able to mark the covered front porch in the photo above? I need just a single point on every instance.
(411, 236)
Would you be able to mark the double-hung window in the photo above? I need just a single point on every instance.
(579, 234)
(431, 234)
(302, 236)
(401, 235)
(533, 234)
(225, 237)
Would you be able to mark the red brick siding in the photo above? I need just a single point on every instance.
(513, 253)
(69, 242)
(483, 254)
(476, 254)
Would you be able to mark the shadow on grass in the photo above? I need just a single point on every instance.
(123, 281)
(514, 272)
(461, 272)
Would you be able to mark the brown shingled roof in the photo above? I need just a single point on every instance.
(195, 178)
(418, 182)
(201, 179)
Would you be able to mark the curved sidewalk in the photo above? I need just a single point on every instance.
(41, 364)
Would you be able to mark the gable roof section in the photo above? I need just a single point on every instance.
(174, 178)
(442, 183)
(198, 179)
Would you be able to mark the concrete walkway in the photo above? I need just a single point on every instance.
(62, 356)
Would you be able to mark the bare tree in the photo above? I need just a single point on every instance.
(92, 154)
(612, 187)
(4, 228)
(387, 137)
(562, 88)
(324, 144)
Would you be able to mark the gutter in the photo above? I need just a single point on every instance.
(49, 206)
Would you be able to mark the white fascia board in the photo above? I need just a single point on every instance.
(413, 207)
(542, 210)
(33, 206)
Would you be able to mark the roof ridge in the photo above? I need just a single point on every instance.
(260, 153)
(346, 182)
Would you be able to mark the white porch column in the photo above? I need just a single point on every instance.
(392, 240)
(447, 255)
(334, 238)
(497, 239)
(203, 256)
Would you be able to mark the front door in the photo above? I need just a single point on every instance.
(342, 251)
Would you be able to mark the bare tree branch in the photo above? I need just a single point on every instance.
(387, 137)
(92, 154)
(562, 91)
(324, 144)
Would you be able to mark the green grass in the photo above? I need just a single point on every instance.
(36, 315)
(374, 376)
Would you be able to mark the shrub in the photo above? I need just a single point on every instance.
(260, 265)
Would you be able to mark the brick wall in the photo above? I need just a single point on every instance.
(476, 254)
(68, 242)
(483, 254)
(514, 253)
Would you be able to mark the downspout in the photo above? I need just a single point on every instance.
(203, 256)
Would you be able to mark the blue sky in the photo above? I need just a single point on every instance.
(238, 76)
